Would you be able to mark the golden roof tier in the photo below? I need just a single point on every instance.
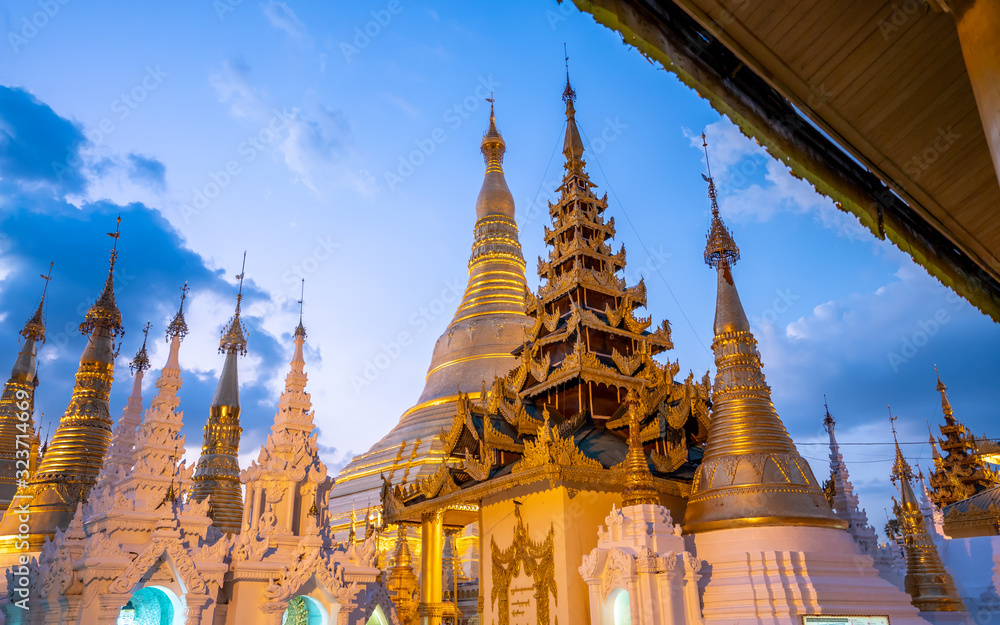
(927, 581)
(17, 406)
(751, 473)
(961, 472)
(69, 468)
(217, 474)
(475, 347)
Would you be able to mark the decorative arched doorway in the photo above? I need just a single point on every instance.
(152, 605)
(303, 610)
(618, 607)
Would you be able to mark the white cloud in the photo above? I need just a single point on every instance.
(282, 17)
(753, 185)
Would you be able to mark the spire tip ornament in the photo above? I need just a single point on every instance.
(105, 311)
(300, 330)
(568, 94)
(720, 246)
(35, 327)
(234, 337)
(178, 326)
(141, 360)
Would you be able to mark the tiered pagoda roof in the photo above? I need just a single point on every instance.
(585, 382)
(960, 472)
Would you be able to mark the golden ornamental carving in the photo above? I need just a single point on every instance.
(626, 364)
(549, 447)
(677, 454)
(540, 367)
(537, 561)
(635, 324)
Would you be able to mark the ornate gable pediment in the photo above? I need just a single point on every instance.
(168, 548)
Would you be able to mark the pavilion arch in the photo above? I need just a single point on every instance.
(152, 605)
(305, 610)
(618, 608)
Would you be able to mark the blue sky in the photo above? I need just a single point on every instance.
(340, 142)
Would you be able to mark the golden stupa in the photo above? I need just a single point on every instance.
(476, 346)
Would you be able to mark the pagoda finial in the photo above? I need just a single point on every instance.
(572, 144)
(720, 246)
(178, 326)
(300, 330)
(639, 489)
(234, 337)
(568, 94)
(493, 146)
(949, 414)
(104, 312)
(828, 420)
(141, 360)
(900, 468)
(35, 327)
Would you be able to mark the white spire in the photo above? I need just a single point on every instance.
(159, 444)
(288, 462)
(845, 503)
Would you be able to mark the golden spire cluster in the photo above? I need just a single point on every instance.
(70, 466)
(927, 581)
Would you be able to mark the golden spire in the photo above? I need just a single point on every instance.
(927, 581)
(496, 265)
(17, 425)
(572, 145)
(751, 474)
(949, 414)
(900, 468)
(178, 326)
(639, 488)
(217, 474)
